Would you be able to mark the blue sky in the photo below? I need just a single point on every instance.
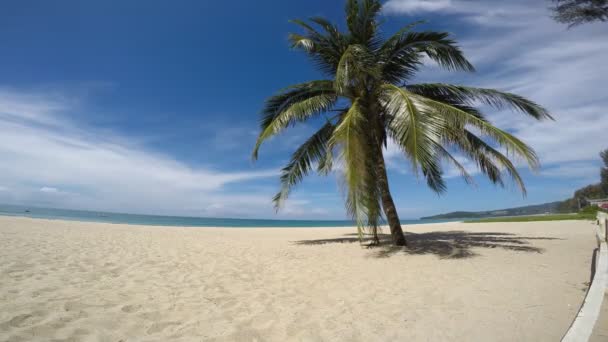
(152, 107)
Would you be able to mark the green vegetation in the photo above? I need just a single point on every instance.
(519, 211)
(367, 99)
(593, 191)
(554, 217)
(587, 213)
(590, 210)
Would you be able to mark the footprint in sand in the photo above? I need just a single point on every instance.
(19, 320)
(158, 327)
(24, 320)
(264, 321)
(74, 306)
(130, 308)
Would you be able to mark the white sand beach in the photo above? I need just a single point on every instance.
(74, 281)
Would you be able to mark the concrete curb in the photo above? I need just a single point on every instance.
(582, 327)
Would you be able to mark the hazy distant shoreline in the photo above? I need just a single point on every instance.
(177, 221)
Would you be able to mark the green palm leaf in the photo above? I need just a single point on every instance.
(348, 137)
(325, 49)
(314, 149)
(296, 104)
(355, 66)
(360, 184)
(361, 21)
(453, 161)
(503, 138)
(401, 56)
(490, 161)
(472, 96)
(417, 131)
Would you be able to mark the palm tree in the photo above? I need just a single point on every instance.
(577, 12)
(367, 99)
(604, 172)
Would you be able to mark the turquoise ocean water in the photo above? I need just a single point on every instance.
(176, 221)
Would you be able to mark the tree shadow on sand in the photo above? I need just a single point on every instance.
(445, 244)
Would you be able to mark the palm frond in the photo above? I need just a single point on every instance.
(453, 161)
(312, 150)
(417, 131)
(348, 135)
(355, 66)
(391, 41)
(438, 47)
(362, 201)
(303, 42)
(401, 56)
(295, 104)
(471, 96)
(329, 28)
(503, 138)
(490, 161)
(361, 20)
(326, 161)
(325, 49)
(352, 14)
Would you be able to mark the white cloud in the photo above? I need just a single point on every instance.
(30, 108)
(78, 159)
(414, 6)
(588, 171)
(526, 52)
(485, 13)
(46, 154)
(563, 71)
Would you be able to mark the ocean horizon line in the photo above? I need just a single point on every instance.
(176, 220)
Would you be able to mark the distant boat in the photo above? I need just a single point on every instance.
(27, 210)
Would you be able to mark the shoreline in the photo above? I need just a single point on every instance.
(160, 226)
(276, 223)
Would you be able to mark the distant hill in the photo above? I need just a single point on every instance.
(571, 205)
(544, 208)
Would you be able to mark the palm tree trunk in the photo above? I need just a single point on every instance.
(389, 206)
(387, 200)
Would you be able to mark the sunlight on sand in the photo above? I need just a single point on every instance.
(477, 282)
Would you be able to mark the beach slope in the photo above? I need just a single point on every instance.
(75, 281)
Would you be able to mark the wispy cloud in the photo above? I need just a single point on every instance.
(485, 13)
(517, 47)
(49, 160)
(587, 171)
(415, 6)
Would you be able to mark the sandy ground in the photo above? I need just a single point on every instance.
(73, 281)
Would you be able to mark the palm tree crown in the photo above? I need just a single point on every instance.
(368, 79)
